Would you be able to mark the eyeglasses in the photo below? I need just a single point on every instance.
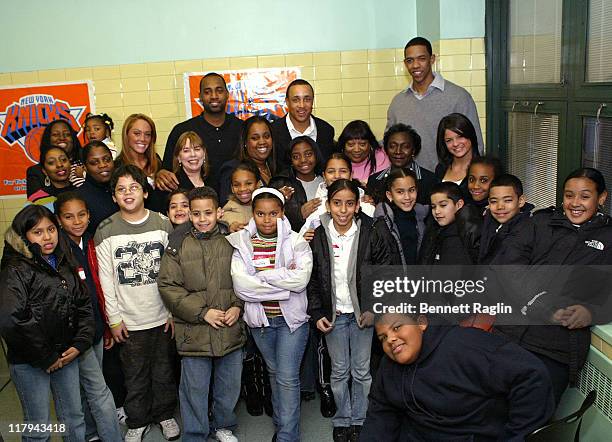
(132, 189)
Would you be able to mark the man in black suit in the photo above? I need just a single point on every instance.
(299, 121)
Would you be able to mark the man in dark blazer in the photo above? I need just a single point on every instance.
(299, 121)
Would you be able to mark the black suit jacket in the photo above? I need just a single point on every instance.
(282, 138)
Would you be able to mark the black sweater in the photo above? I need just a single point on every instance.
(466, 385)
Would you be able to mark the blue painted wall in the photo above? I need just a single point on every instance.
(44, 34)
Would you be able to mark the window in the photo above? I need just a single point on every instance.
(550, 90)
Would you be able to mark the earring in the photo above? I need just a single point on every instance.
(47, 181)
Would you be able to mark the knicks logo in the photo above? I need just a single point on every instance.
(24, 122)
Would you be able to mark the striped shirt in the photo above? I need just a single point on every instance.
(264, 258)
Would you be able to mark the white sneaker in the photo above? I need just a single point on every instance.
(225, 435)
(121, 416)
(170, 429)
(136, 434)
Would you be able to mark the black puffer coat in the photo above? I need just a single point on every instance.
(551, 239)
(455, 244)
(43, 311)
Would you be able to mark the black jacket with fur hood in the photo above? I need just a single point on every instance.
(43, 311)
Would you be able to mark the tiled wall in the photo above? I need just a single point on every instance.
(348, 85)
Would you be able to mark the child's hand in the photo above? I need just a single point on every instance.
(367, 199)
(69, 355)
(55, 366)
(287, 192)
(108, 343)
(120, 333)
(574, 316)
(215, 318)
(79, 171)
(309, 234)
(166, 181)
(366, 320)
(169, 326)
(231, 316)
(235, 226)
(324, 325)
(309, 207)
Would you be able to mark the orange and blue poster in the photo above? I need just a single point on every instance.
(25, 111)
(251, 91)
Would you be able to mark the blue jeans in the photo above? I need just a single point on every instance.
(283, 351)
(98, 403)
(34, 385)
(193, 394)
(349, 350)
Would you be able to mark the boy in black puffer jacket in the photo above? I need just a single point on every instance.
(454, 237)
(508, 212)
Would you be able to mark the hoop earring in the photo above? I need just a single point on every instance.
(47, 181)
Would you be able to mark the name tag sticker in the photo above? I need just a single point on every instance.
(82, 274)
(336, 249)
(261, 262)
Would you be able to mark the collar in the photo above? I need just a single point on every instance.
(310, 131)
(438, 83)
(226, 121)
(348, 235)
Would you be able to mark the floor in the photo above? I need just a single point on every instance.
(315, 428)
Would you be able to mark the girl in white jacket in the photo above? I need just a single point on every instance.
(271, 268)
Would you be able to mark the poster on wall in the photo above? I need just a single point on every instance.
(25, 111)
(251, 91)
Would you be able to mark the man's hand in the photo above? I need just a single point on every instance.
(166, 181)
(216, 318)
(120, 333)
(231, 316)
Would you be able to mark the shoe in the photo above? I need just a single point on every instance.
(307, 396)
(94, 439)
(251, 388)
(355, 431)
(136, 434)
(170, 429)
(225, 435)
(121, 416)
(342, 434)
(328, 405)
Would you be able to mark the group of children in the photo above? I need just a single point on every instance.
(104, 269)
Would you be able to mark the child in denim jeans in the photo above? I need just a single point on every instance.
(271, 267)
